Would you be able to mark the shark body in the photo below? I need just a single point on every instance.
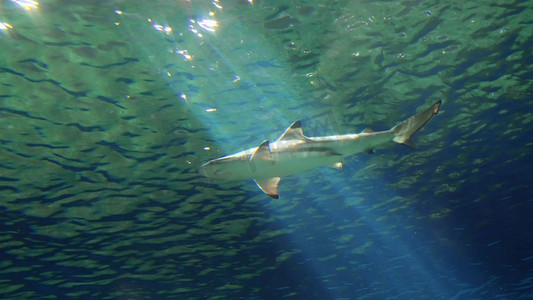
(293, 152)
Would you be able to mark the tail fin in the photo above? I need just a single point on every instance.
(405, 130)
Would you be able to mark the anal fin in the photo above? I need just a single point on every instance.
(269, 186)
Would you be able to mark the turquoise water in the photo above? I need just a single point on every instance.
(108, 108)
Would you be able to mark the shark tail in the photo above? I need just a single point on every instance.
(406, 129)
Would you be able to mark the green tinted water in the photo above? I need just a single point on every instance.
(105, 117)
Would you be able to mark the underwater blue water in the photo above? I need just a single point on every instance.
(108, 109)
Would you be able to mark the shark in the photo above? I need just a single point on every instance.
(293, 152)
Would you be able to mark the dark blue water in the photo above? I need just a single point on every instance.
(107, 109)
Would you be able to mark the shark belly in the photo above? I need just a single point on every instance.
(284, 164)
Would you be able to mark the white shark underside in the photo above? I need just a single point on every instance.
(294, 153)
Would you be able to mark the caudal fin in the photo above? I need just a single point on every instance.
(405, 130)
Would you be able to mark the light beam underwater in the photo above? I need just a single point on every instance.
(293, 152)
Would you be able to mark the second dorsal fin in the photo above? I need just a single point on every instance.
(294, 132)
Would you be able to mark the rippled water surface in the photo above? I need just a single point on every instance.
(108, 108)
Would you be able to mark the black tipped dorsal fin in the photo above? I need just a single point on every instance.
(269, 186)
(263, 152)
(294, 132)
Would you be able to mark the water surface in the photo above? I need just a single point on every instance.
(107, 108)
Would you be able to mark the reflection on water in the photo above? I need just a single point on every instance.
(108, 108)
(27, 5)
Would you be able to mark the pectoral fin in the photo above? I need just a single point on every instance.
(269, 186)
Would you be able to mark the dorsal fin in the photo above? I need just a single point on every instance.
(368, 130)
(262, 152)
(294, 132)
